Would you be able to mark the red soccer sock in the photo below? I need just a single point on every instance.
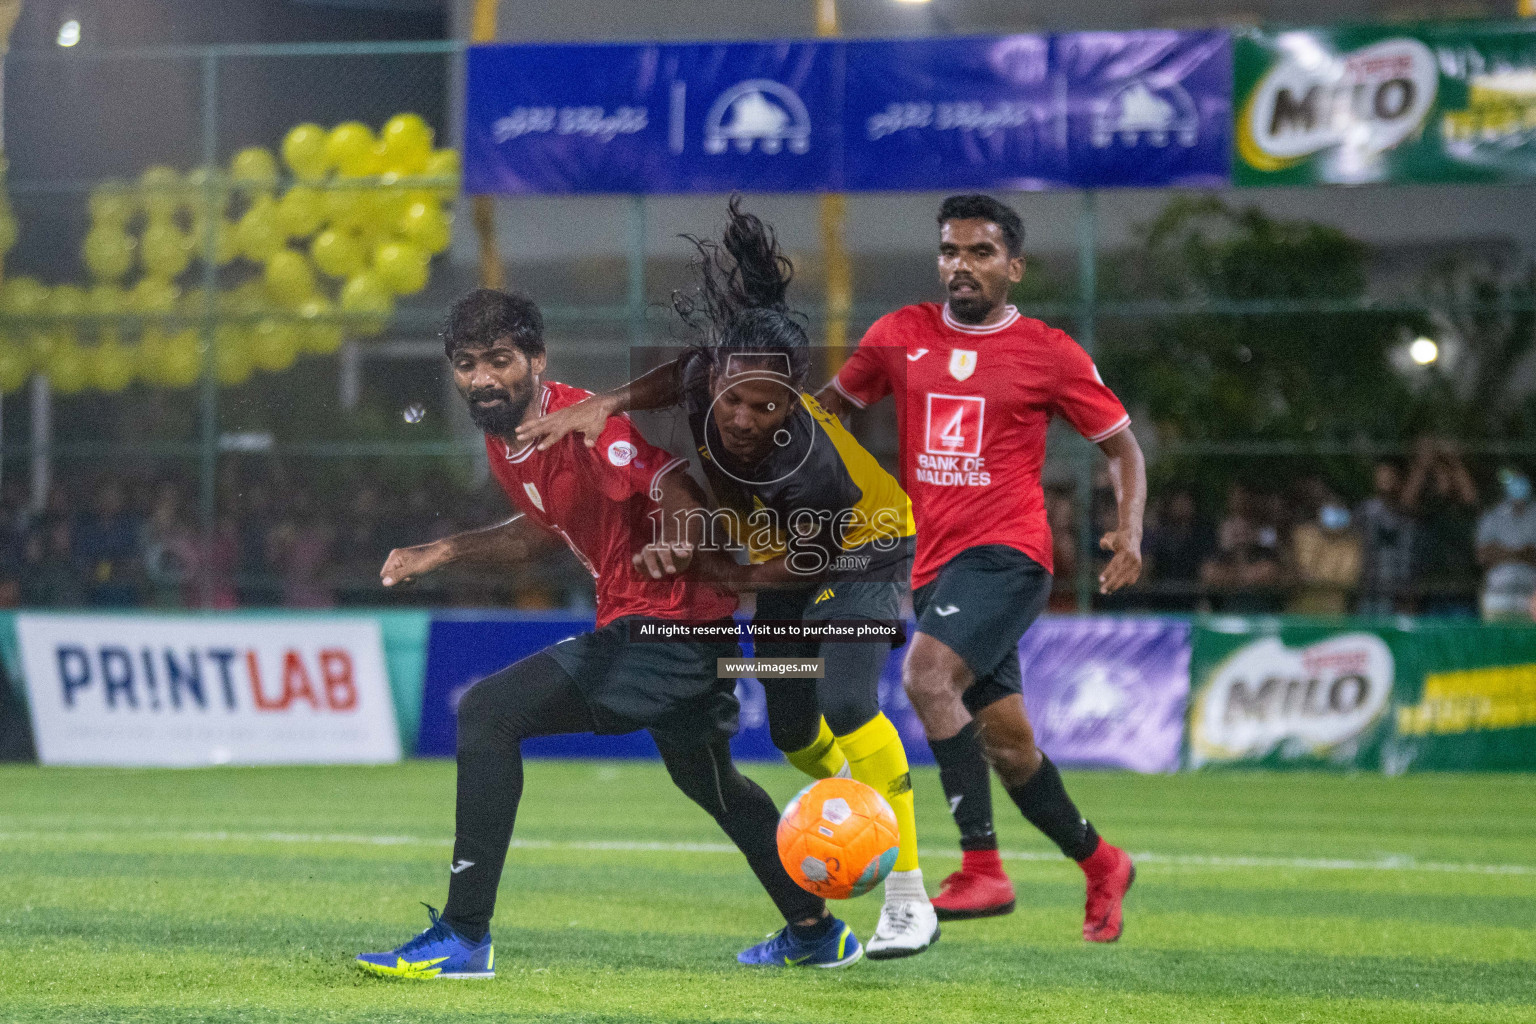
(1102, 859)
(982, 862)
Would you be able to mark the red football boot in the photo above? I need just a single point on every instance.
(1110, 874)
(979, 889)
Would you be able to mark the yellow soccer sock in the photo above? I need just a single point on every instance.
(878, 760)
(823, 758)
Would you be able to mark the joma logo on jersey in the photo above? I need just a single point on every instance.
(955, 424)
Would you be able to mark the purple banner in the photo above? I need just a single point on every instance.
(1108, 692)
(1101, 692)
(1146, 108)
(1093, 109)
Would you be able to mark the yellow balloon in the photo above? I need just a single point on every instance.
(164, 250)
(8, 228)
(349, 149)
(401, 267)
(111, 203)
(160, 191)
(66, 369)
(180, 362)
(245, 300)
(258, 236)
(23, 295)
(204, 189)
(288, 278)
(301, 211)
(15, 366)
(110, 366)
(232, 356)
(318, 333)
(349, 203)
(444, 163)
(390, 199)
(254, 169)
(337, 253)
(106, 300)
(407, 142)
(108, 252)
(369, 299)
(274, 345)
(66, 300)
(154, 295)
(427, 225)
(304, 151)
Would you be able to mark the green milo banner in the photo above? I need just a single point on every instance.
(1411, 103)
(1382, 695)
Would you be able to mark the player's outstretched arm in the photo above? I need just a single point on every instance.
(1128, 473)
(832, 400)
(661, 388)
(495, 545)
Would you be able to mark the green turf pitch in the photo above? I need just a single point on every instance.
(242, 895)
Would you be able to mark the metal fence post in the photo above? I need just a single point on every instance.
(635, 244)
(1088, 286)
(208, 418)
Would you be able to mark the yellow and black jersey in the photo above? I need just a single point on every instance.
(818, 489)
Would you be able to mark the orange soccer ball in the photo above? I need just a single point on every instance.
(837, 838)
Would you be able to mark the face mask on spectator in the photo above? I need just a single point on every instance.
(1334, 517)
(1517, 486)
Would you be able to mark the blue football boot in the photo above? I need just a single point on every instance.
(838, 948)
(438, 952)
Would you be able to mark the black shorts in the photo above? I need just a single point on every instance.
(669, 687)
(979, 606)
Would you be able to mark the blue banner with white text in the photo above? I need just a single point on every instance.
(1096, 109)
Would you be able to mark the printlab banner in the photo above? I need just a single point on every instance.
(1075, 110)
(190, 690)
(1102, 691)
(1410, 103)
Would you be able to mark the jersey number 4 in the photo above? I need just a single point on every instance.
(954, 424)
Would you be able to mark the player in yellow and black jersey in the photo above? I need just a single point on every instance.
(827, 533)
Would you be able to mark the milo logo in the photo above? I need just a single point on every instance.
(1358, 105)
(1302, 702)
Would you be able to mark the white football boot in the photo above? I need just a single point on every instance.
(908, 924)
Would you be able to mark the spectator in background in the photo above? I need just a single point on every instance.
(170, 552)
(1506, 549)
(300, 549)
(1387, 531)
(1178, 545)
(106, 545)
(1245, 573)
(1326, 556)
(50, 576)
(1440, 494)
(1059, 514)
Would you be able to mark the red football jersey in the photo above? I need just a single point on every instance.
(972, 407)
(599, 500)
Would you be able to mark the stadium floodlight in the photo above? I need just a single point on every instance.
(69, 33)
(1423, 351)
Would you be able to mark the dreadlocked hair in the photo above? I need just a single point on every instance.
(738, 308)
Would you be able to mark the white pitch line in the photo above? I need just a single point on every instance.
(1395, 862)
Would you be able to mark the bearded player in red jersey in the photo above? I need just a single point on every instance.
(976, 385)
(600, 500)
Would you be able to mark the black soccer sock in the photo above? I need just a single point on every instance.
(747, 814)
(1044, 801)
(534, 697)
(812, 932)
(968, 786)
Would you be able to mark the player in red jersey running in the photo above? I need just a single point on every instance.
(600, 500)
(976, 385)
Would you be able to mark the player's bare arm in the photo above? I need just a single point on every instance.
(1128, 474)
(499, 545)
(658, 389)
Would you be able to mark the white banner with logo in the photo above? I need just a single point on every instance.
(189, 690)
